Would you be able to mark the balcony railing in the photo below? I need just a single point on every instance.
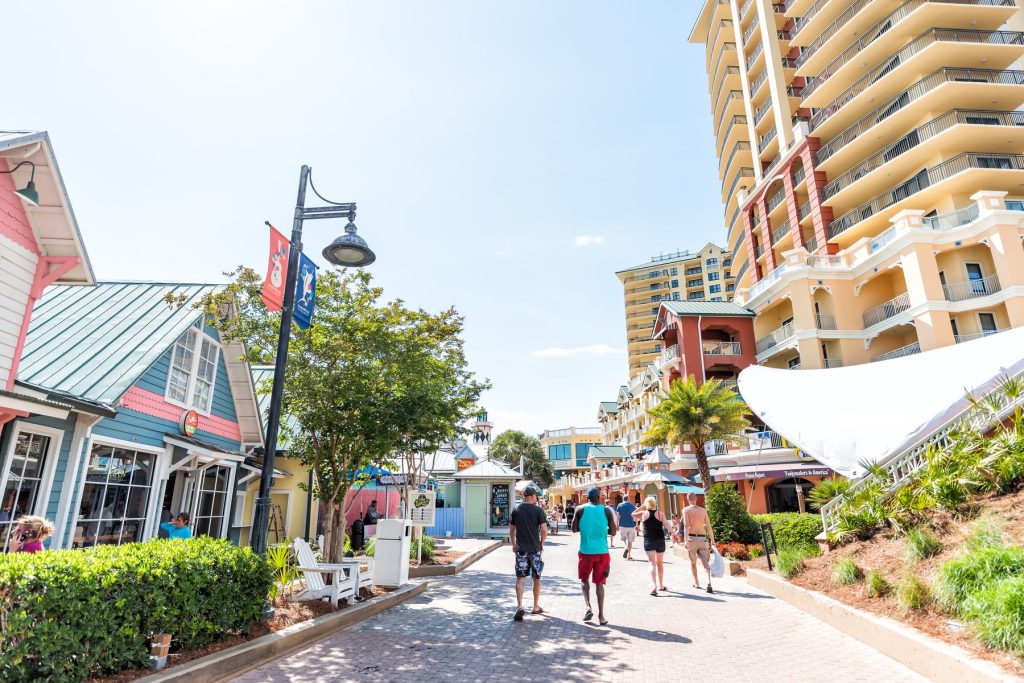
(804, 210)
(733, 122)
(743, 173)
(829, 30)
(961, 338)
(750, 30)
(766, 140)
(869, 36)
(729, 71)
(833, 363)
(795, 366)
(972, 289)
(887, 310)
(826, 262)
(953, 219)
(811, 244)
(728, 50)
(924, 40)
(762, 110)
(776, 337)
(766, 282)
(754, 55)
(743, 269)
(757, 84)
(670, 354)
(908, 350)
(758, 250)
(776, 199)
(924, 179)
(883, 239)
(729, 384)
(780, 233)
(825, 321)
(798, 176)
(808, 15)
(741, 146)
(730, 96)
(911, 94)
(722, 349)
(919, 135)
(764, 441)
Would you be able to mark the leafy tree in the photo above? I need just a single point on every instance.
(369, 379)
(697, 414)
(729, 516)
(512, 445)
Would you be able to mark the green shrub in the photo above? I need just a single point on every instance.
(791, 559)
(846, 572)
(792, 528)
(69, 614)
(960, 578)
(729, 516)
(875, 584)
(827, 489)
(921, 545)
(913, 593)
(755, 550)
(996, 613)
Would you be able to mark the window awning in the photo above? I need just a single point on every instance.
(206, 452)
(675, 488)
(772, 471)
(875, 411)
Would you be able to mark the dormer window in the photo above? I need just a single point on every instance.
(193, 371)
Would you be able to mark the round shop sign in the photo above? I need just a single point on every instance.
(189, 422)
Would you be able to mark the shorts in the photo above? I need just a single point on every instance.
(656, 545)
(529, 564)
(627, 534)
(698, 547)
(596, 566)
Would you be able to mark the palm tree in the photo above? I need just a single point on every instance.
(697, 414)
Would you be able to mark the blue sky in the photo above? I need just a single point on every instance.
(507, 158)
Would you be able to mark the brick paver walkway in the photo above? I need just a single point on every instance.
(461, 629)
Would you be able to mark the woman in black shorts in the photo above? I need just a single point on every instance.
(654, 524)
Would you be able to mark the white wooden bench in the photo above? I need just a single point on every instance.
(344, 576)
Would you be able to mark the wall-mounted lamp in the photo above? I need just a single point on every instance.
(28, 193)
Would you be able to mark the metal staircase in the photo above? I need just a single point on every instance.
(898, 469)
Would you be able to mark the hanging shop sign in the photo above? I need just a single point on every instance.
(189, 423)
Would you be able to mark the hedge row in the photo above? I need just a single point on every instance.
(67, 614)
(792, 528)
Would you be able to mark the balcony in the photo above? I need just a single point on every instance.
(924, 179)
(757, 84)
(953, 219)
(804, 210)
(826, 262)
(825, 321)
(962, 36)
(780, 233)
(908, 350)
(765, 282)
(972, 289)
(887, 310)
(776, 199)
(719, 87)
(722, 349)
(795, 366)
(669, 354)
(911, 94)
(918, 136)
(776, 337)
(811, 48)
(742, 270)
(750, 30)
(754, 55)
(743, 173)
(741, 146)
(732, 123)
(811, 245)
(798, 176)
(961, 338)
(833, 363)
(766, 140)
(762, 110)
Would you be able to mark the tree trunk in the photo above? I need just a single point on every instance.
(702, 466)
(334, 533)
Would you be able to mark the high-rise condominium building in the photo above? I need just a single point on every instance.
(705, 275)
(872, 164)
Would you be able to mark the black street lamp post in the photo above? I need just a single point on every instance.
(348, 250)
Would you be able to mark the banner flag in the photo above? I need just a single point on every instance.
(305, 292)
(277, 272)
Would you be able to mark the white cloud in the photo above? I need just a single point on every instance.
(588, 241)
(592, 350)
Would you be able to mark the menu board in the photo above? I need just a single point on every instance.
(499, 504)
(421, 507)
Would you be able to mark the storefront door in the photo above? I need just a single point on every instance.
(476, 509)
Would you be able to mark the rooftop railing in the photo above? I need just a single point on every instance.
(972, 289)
(911, 94)
(908, 350)
(889, 309)
(776, 337)
(926, 178)
(924, 40)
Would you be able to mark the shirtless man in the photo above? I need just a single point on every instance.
(698, 537)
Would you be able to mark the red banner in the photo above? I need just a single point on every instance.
(277, 272)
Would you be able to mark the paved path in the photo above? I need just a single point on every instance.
(461, 629)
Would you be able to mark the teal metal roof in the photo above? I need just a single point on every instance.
(95, 342)
(262, 376)
(712, 308)
(610, 407)
(603, 452)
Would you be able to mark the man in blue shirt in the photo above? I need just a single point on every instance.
(627, 525)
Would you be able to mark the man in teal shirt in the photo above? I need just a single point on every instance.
(595, 523)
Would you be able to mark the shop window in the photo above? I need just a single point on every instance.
(212, 495)
(115, 497)
(193, 372)
(24, 481)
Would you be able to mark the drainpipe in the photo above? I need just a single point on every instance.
(700, 350)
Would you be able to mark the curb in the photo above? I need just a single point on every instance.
(930, 657)
(235, 661)
(450, 569)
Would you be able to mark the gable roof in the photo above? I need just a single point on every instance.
(95, 342)
(606, 452)
(610, 407)
(709, 308)
(489, 469)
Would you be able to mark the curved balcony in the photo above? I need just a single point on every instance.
(766, 140)
(762, 110)
(924, 179)
(936, 35)
(869, 36)
(728, 50)
(743, 173)
(953, 219)
(741, 146)
(743, 270)
(717, 88)
(758, 83)
(912, 94)
(732, 123)
(811, 48)
(908, 350)
(752, 59)
(889, 309)
(917, 137)
(972, 289)
(775, 338)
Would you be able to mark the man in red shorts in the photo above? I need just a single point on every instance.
(595, 523)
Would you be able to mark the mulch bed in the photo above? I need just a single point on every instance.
(443, 557)
(885, 553)
(285, 614)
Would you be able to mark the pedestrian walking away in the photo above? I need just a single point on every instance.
(627, 525)
(528, 530)
(570, 512)
(611, 534)
(594, 522)
(655, 526)
(698, 537)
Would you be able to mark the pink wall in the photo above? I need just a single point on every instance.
(362, 502)
(13, 222)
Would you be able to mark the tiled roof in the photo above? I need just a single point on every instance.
(95, 342)
(712, 308)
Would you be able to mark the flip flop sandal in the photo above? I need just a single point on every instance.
(654, 593)
(710, 590)
(603, 623)
(589, 615)
(519, 614)
(539, 610)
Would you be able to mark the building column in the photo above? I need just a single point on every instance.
(766, 232)
(748, 228)
(1007, 252)
(921, 276)
(792, 206)
(821, 216)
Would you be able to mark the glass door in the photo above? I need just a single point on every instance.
(24, 481)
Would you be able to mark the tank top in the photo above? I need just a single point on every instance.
(593, 529)
(653, 528)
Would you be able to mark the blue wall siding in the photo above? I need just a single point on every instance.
(155, 380)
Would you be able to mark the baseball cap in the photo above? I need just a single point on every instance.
(593, 494)
(530, 489)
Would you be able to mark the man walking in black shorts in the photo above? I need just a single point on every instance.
(528, 530)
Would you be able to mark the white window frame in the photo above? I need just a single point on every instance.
(193, 372)
(56, 437)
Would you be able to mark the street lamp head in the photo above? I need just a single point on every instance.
(349, 249)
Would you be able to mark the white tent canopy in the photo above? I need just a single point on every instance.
(875, 411)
